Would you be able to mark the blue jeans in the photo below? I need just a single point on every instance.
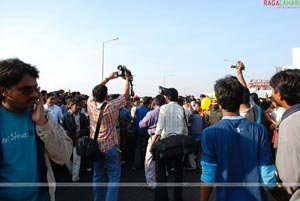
(111, 162)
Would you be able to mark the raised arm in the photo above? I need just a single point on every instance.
(127, 86)
(112, 76)
(239, 71)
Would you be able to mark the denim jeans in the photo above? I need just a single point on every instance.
(111, 162)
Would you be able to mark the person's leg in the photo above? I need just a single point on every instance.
(178, 174)
(137, 152)
(98, 179)
(69, 164)
(161, 192)
(114, 173)
(131, 142)
(191, 162)
(198, 152)
(123, 144)
(150, 167)
(76, 165)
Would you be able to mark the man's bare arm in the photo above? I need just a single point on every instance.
(240, 68)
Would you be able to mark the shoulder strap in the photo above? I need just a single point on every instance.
(185, 118)
(99, 121)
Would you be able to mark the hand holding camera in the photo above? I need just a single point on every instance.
(112, 75)
(162, 90)
(124, 72)
(239, 66)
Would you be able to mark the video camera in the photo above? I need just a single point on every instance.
(188, 99)
(162, 90)
(121, 72)
(237, 65)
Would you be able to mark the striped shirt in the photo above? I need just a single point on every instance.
(107, 137)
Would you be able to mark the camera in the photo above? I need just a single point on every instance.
(121, 72)
(162, 90)
(237, 64)
(188, 99)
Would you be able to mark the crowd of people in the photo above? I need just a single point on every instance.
(239, 137)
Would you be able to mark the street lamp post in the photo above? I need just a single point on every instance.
(169, 75)
(103, 54)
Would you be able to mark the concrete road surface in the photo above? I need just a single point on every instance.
(132, 186)
(136, 191)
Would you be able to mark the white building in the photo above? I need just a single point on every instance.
(262, 87)
(296, 61)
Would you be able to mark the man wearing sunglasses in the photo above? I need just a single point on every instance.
(28, 136)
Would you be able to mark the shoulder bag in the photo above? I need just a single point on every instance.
(88, 147)
(173, 146)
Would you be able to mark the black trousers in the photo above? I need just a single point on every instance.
(161, 192)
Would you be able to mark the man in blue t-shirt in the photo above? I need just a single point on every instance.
(141, 133)
(28, 137)
(236, 152)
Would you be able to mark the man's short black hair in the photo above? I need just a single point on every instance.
(287, 82)
(72, 101)
(160, 100)
(99, 92)
(172, 94)
(229, 93)
(51, 94)
(146, 100)
(13, 70)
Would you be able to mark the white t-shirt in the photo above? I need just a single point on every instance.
(55, 112)
(276, 114)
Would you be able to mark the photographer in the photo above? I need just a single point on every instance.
(107, 138)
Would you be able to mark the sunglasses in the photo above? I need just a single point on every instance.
(28, 90)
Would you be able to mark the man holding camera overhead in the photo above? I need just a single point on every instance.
(107, 138)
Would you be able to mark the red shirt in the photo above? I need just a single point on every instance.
(107, 137)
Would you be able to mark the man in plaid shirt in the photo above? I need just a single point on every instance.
(107, 138)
